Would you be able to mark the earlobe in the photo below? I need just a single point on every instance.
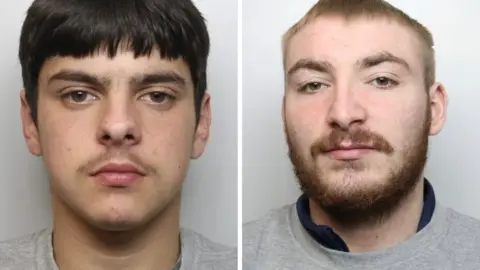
(202, 132)
(438, 106)
(30, 132)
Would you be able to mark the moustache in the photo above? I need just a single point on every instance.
(361, 137)
(116, 156)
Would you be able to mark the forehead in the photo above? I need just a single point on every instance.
(123, 64)
(333, 38)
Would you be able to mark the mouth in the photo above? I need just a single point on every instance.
(119, 175)
(349, 152)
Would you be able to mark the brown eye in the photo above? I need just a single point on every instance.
(157, 97)
(79, 97)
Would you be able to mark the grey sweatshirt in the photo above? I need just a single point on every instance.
(279, 241)
(34, 252)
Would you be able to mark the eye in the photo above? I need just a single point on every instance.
(312, 87)
(384, 82)
(80, 97)
(157, 97)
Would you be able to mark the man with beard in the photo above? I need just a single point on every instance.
(359, 105)
(115, 102)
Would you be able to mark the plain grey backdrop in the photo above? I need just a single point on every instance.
(210, 194)
(268, 181)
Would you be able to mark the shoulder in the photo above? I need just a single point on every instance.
(463, 227)
(207, 254)
(20, 252)
(461, 244)
(271, 222)
(269, 230)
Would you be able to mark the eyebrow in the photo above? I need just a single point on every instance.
(158, 78)
(79, 76)
(380, 58)
(365, 63)
(136, 80)
(310, 64)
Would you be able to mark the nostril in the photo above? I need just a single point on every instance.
(106, 137)
(130, 137)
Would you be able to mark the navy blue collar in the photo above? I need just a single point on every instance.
(325, 236)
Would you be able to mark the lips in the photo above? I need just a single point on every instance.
(118, 175)
(349, 152)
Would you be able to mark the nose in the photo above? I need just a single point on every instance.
(118, 125)
(345, 109)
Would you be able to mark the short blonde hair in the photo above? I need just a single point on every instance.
(371, 9)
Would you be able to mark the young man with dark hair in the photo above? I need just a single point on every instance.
(114, 101)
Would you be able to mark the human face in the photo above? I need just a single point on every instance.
(356, 112)
(132, 112)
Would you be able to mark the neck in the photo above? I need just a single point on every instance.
(78, 245)
(396, 228)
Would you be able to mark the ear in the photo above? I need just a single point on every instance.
(30, 132)
(438, 106)
(203, 128)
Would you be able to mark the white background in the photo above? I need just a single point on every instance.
(268, 181)
(210, 194)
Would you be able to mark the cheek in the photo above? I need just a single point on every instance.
(401, 124)
(169, 137)
(168, 141)
(304, 123)
(66, 143)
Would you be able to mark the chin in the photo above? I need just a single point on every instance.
(355, 177)
(118, 225)
(351, 183)
(117, 221)
(115, 216)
